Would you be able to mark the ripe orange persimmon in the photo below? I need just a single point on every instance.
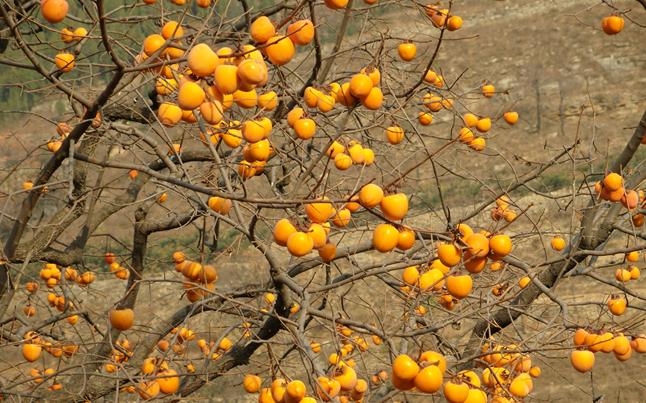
(370, 195)
(305, 128)
(169, 114)
(301, 32)
(407, 51)
(432, 279)
(122, 319)
(612, 25)
(465, 135)
(211, 111)
(425, 118)
(268, 101)
(299, 244)
(328, 252)
(511, 117)
(429, 379)
(262, 29)
(410, 275)
(613, 181)
(282, 231)
(456, 391)
(470, 120)
(454, 23)
(405, 239)
(394, 207)
(449, 254)
(373, 100)
(500, 245)
(582, 360)
(296, 390)
(459, 286)
(385, 237)
(405, 368)
(219, 205)
(168, 381)
(202, 60)
(558, 243)
(360, 85)
(342, 161)
(252, 72)
(336, 4)
(347, 379)
(148, 390)
(318, 235)
(478, 245)
(483, 125)
(226, 78)
(617, 305)
(280, 50)
(246, 99)
(172, 29)
(319, 212)
(31, 352)
(190, 96)
(334, 149)
(54, 11)
(394, 134)
(65, 61)
(488, 90)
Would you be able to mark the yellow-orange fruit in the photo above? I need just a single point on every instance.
(122, 319)
(190, 95)
(226, 78)
(280, 50)
(299, 244)
(219, 205)
(384, 238)
(370, 195)
(262, 29)
(360, 85)
(172, 29)
(612, 25)
(511, 117)
(319, 212)
(394, 207)
(202, 60)
(301, 32)
(374, 99)
(169, 114)
(407, 51)
(449, 254)
(54, 11)
(429, 379)
(459, 286)
(405, 368)
(65, 61)
(582, 360)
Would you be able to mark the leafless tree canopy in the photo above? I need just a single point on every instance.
(300, 190)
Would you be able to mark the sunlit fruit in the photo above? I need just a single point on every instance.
(612, 25)
(122, 319)
(54, 11)
(65, 61)
(384, 238)
(280, 50)
(299, 244)
(582, 360)
(459, 286)
(262, 29)
(370, 195)
(407, 51)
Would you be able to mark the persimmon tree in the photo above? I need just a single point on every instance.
(296, 135)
